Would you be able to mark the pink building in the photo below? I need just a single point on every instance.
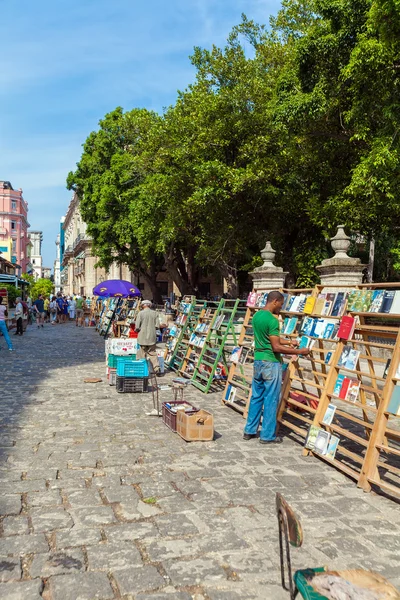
(14, 241)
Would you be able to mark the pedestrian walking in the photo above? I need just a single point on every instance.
(267, 378)
(3, 324)
(65, 309)
(38, 306)
(19, 313)
(53, 311)
(60, 307)
(147, 322)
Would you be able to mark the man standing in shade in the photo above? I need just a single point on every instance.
(19, 313)
(147, 322)
(39, 307)
(267, 378)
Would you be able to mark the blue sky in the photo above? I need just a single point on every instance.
(64, 64)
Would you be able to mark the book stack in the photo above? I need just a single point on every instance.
(346, 388)
(295, 304)
(320, 441)
(374, 301)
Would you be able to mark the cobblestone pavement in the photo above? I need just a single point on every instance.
(98, 500)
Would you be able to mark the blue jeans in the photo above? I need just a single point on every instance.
(4, 331)
(266, 390)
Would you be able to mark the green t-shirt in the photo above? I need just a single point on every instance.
(79, 303)
(265, 324)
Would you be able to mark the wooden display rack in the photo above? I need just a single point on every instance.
(174, 357)
(222, 336)
(131, 316)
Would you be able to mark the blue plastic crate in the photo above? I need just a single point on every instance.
(133, 368)
(112, 359)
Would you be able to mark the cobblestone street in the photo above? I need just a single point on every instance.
(98, 500)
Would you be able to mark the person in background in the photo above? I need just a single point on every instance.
(3, 324)
(19, 313)
(71, 308)
(60, 305)
(53, 310)
(147, 322)
(65, 309)
(267, 378)
(86, 312)
(79, 311)
(38, 305)
(47, 309)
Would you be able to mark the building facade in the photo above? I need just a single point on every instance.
(14, 241)
(46, 272)
(36, 239)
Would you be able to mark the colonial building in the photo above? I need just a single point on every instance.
(36, 239)
(14, 241)
(77, 264)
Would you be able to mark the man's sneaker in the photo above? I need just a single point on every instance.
(277, 440)
(249, 436)
(11, 349)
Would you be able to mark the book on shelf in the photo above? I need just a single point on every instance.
(338, 384)
(232, 393)
(319, 304)
(289, 303)
(377, 299)
(307, 325)
(387, 301)
(328, 357)
(251, 299)
(326, 311)
(352, 299)
(311, 437)
(394, 402)
(339, 304)
(329, 414)
(395, 308)
(306, 342)
(262, 300)
(290, 325)
(244, 354)
(285, 300)
(302, 303)
(353, 390)
(218, 322)
(332, 446)
(309, 305)
(235, 354)
(208, 313)
(349, 358)
(321, 441)
(346, 328)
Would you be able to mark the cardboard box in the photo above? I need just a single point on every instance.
(122, 347)
(198, 427)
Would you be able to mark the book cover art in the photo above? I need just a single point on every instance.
(291, 327)
(377, 299)
(338, 385)
(235, 355)
(309, 305)
(320, 303)
(352, 390)
(285, 300)
(346, 328)
(326, 311)
(252, 299)
(289, 303)
(321, 441)
(318, 329)
(367, 301)
(304, 341)
(387, 301)
(307, 326)
(228, 391)
(231, 395)
(332, 447)
(352, 359)
(311, 437)
(352, 299)
(294, 306)
(328, 331)
(394, 402)
(285, 324)
(262, 300)
(302, 303)
(339, 304)
(358, 304)
(329, 414)
(344, 388)
(328, 358)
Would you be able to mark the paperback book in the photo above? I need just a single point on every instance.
(235, 354)
(339, 305)
(321, 441)
(329, 414)
(252, 299)
(377, 299)
(349, 358)
(394, 402)
(311, 437)
(387, 301)
(346, 328)
(332, 447)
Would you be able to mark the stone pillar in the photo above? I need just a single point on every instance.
(268, 276)
(341, 269)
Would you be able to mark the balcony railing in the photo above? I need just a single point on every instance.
(82, 237)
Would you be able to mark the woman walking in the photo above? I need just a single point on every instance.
(3, 324)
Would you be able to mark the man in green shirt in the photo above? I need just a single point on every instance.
(267, 378)
(79, 311)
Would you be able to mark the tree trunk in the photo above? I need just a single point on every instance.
(176, 268)
(151, 281)
(192, 269)
(229, 273)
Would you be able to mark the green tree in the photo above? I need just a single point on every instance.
(42, 286)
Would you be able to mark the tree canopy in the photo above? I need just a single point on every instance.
(282, 141)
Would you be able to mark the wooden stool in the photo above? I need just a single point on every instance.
(177, 389)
